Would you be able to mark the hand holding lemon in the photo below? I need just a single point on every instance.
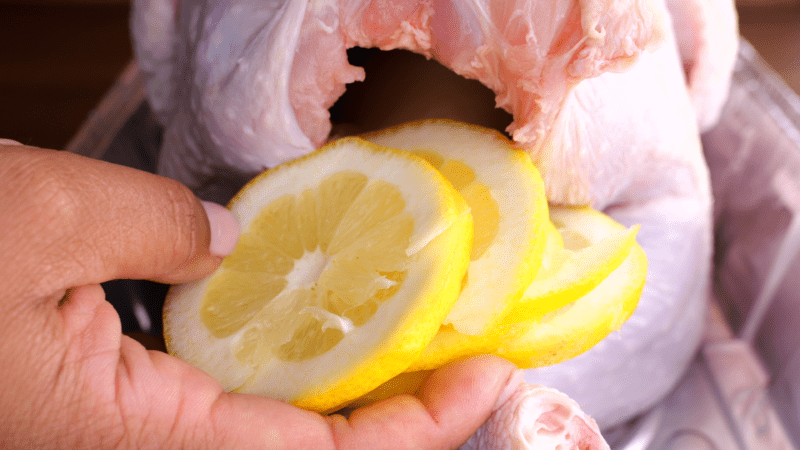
(68, 223)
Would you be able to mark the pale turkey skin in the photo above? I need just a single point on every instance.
(635, 138)
(233, 98)
(598, 96)
(708, 38)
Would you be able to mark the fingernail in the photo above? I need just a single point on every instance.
(511, 386)
(9, 142)
(224, 229)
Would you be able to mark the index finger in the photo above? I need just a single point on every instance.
(70, 221)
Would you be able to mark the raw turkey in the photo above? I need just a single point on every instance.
(597, 90)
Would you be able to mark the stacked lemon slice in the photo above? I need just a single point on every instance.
(371, 261)
(506, 198)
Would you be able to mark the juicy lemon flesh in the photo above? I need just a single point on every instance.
(483, 206)
(309, 268)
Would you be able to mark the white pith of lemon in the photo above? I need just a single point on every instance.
(348, 262)
(507, 200)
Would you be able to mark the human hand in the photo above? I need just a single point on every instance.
(72, 380)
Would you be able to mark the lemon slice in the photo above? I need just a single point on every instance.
(593, 246)
(552, 338)
(508, 205)
(348, 261)
(449, 345)
(581, 248)
(579, 326)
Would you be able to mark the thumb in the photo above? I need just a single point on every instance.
(452, 404)
(72, 221)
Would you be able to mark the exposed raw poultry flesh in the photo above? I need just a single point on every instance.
(596, 89)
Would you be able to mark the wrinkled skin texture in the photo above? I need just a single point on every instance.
(72, 380)
(607, 97)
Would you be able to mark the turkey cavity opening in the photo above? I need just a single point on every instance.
(401, 86)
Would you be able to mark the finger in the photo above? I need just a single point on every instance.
(454, 402)
(71, 221)
(482, 382)
(184, 404)
(242, 421)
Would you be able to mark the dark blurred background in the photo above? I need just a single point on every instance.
(58, 57)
